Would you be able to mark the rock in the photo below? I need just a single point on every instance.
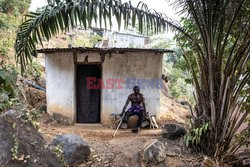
(89, 162)
(173, 131)
(60, 119)
(75, 149)
(21, 144)
(208, 162)
(106, 162)
(153, 152)
(94, 156)
(173, 151)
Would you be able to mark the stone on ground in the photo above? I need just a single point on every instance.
(75, 149)
(173, 131)
(59, 119)
(208, 162)
(21, 144)
(173, 150)
(153, 152)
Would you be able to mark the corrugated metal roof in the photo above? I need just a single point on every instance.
(105, 50)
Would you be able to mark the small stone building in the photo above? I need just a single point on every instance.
(88, 84)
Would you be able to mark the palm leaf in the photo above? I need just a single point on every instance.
(60, 16)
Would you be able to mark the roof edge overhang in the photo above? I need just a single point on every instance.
(102, 50)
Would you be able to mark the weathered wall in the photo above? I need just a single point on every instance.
(60, 84)
(123, 40)
(141, 65)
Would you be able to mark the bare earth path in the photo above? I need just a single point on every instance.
(121, 151)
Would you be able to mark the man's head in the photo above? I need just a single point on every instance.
(136, 89)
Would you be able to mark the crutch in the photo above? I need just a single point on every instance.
(119, 124)
(152, 123)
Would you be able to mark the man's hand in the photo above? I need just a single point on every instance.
(146, 114)
(121, 114)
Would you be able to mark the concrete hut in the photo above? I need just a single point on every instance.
(88, 84)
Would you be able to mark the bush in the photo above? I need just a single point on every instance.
(8, 87)
(34, 70)
(179, 86)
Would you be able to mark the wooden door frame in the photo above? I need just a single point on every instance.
(75, 83)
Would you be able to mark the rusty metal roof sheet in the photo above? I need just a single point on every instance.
(105, 50)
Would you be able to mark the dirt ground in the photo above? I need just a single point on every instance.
(123, 150)
(120, 151)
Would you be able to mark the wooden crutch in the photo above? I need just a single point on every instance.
(123, 115)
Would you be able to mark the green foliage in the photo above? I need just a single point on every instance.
(15, 148)
(161, 42)
(11, 12)
(58, 151)
(194, 136)
(10, 18)
(8, 88)
(32, 116)
(61, 16)
(8, 25)
(216, 50)
(14, 7)
(178, 73)
(34, 70)
(215, 41)
(8, 22)
(179, 88)
(87, 40)
(243, 137)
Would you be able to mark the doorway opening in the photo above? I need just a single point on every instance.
(88, 100)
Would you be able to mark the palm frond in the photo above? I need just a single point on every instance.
(221, 60)
(59, 16)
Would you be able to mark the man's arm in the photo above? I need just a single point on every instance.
(124, 108)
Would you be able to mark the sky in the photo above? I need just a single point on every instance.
(163, 6)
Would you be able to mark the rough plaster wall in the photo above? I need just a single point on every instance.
(61, 81)
(92, 57)
(141, 65)
(60, 86)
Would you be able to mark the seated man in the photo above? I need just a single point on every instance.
(136, 100)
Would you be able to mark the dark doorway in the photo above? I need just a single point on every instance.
(88, 100)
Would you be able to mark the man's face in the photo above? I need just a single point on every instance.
(137, 91)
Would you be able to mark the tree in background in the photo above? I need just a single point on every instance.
(175, 68)
(219, 64)
(14, 7)
(11, 12)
